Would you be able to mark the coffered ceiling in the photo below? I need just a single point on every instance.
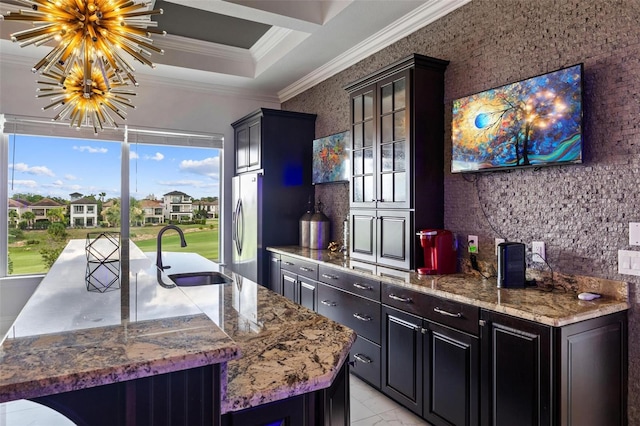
(269, 47)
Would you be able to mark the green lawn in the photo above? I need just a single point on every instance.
(26, 258)
(203, 242)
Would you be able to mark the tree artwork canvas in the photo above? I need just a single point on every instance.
(533, 122)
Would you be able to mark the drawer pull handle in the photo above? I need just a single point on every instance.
(400, 299)
(362, 317)
(362, 287)
(449, 314)
(328, 303)
(363, 359)
(287, 263)
(305, 269)
(331, 277)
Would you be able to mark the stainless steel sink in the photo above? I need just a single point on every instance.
(200, 278)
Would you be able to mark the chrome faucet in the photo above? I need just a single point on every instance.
(183, 243)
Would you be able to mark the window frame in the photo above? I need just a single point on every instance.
(126, 136)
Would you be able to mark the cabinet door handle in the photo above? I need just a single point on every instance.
(362, 358)
(307, 286)
(328, 303)
(287, 263)
(275, 260)
(305, 269)
(362, 317)
(449, 314)
(400, 299)
(330, 277)
(362, 287)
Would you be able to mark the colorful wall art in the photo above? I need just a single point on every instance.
(331, 158)
(533, 122)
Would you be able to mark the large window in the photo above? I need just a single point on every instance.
(62, 187)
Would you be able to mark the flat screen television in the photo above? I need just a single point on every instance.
(531, 123)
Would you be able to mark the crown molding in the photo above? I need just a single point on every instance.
(408, 24)
(148, 78)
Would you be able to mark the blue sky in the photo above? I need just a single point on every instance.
(59, 166)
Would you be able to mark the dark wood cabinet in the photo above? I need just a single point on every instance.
(397, 127)
(534, 374)
(248, 145)
(402, 358)
(298, 281)
(274, 273)
(517, 367)
(451, 376)
(382, 236)
(308, 291)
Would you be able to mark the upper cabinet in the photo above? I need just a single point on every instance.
(274, 139)
(397, 126)
(247, 149)
(397, 161)
(380, 144)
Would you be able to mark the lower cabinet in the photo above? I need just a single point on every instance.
(430, 369)
(299, 289)
(274, 273)
(534, 374)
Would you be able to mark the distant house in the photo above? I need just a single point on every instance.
(178, 206)
(19, 207)
(84, 212)
(153, 212)
(211, 207)
(75, 196)
(42, 207)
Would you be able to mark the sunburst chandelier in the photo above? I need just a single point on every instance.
(86, 100)
(93, 40)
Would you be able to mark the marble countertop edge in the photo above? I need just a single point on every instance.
(110, 374)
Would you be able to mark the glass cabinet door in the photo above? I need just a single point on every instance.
(393, 162)
(363, 149)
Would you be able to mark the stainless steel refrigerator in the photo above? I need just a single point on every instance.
(246, 224)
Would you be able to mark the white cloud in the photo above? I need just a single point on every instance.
(90, 149)
(70, 177)
(157, 157)
(25, 183)
(133, 155)
(188, 183)
(57, 182)
(32, 170)
(209, 167)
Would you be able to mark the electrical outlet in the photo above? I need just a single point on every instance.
(472, 243)
(498, 241)
(538, 252)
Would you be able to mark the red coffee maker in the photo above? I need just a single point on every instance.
(439, 250)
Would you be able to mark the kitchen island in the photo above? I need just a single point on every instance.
(154, 353)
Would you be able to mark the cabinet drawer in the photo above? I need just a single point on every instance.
(365, 361)
(300, 267)
(360, 314)
(352, 283)
(447, 312)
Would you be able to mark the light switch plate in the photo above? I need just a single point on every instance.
(629, 262)
(634, 234)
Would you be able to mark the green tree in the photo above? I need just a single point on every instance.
(29, 216)
(56, 240)
(13, 217)
(136, 213)
(55, 215)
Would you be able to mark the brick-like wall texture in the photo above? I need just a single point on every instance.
(582, 211)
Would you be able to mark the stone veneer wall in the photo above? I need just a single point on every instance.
(581, 212)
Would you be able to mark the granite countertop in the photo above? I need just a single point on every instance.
(555, 308)
(67, 338)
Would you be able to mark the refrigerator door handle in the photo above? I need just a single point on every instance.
(239, 227)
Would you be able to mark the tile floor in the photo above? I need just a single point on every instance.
(372, 408)
(368, 408)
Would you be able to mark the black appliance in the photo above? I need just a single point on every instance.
(511, 265)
